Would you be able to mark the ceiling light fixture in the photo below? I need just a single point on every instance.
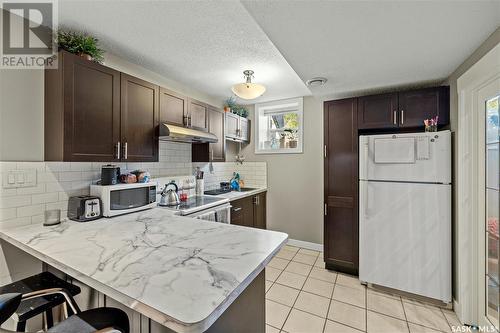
(316, 81)
(248, 90)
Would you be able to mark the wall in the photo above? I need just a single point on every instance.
(486, 46)
(22, 102)
(295, 181)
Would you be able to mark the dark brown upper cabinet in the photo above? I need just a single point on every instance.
(139, 119)
(378, 111)
(197, 113)
(94, 113)
(82, 111)
(211, 152)
(216, 126)
(341, 185)
(417, 105)
(406, 109)
(173, 107)
(237, 128)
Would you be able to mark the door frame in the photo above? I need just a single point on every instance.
(470, 176)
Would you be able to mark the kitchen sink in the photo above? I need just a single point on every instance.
(247, 189)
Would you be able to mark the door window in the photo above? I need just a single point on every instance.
(492, 208)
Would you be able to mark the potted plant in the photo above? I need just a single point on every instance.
(229, 104)
(81, 44)
(291, 134)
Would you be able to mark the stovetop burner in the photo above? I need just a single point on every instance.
(217, 191)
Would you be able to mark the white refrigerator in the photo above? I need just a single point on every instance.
(405, 212)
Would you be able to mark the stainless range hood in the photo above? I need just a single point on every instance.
(181, 134)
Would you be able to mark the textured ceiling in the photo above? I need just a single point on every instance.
(364, 45)
(204, 45)
(356, 45)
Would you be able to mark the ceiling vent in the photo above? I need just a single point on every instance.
(316, 81)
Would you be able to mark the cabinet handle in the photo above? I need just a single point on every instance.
(125, 150)
(394, 117)
(236, 209)
(117, 147)
(402, 117)
(212, 153)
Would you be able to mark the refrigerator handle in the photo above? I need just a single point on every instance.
(363, 188)
(363, 162)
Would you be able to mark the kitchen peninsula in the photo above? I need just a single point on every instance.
(183, 273)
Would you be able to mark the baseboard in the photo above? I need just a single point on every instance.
(306, 245)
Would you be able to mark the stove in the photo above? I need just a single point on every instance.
(217, 191)
(197, 203)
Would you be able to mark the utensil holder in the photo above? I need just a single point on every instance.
(200, 186)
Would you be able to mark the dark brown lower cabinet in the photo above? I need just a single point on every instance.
(259, 210)
(250, 211)
(341, 185)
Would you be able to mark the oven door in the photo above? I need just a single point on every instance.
(220, 214)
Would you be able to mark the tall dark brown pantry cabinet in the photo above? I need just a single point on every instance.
(341, 185)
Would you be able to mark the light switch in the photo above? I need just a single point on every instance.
(19, 178)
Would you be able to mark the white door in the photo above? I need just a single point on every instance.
(405, 237)
(488, 212)
(413, 157)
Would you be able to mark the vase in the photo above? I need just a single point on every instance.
(227, 109)
(85, 56)
(431, 128)
(282, 143)
(292, 143)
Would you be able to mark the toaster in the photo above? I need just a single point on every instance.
(84, 208)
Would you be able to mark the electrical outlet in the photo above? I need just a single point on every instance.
(19, 178)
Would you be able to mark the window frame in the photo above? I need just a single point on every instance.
(260, 107)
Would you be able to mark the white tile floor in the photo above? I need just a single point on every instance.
(303, 297)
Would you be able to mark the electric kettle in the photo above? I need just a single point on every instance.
(169, 196)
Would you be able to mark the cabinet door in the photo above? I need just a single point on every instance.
(197, 114)
(242, 212)
(91, 110)
(216, 126)
(378, 111)
(244, 129)
(173, 107)
(417, 105)
(341, 185)
(232, 125)
(260, 211)
(139, 119)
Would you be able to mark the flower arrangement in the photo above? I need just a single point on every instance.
(81, 44)
(431, 124)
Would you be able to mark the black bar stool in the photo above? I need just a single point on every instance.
(100, 320)
(30, 308)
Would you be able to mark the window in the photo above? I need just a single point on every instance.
(278, 127)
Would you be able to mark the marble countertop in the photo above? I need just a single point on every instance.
(235, 195)
(178, 271)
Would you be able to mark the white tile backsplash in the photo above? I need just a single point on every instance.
(57, 181)
(254, 174)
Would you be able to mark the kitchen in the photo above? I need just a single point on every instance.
(267, 168)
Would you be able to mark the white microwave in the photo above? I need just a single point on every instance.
(125, 198)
